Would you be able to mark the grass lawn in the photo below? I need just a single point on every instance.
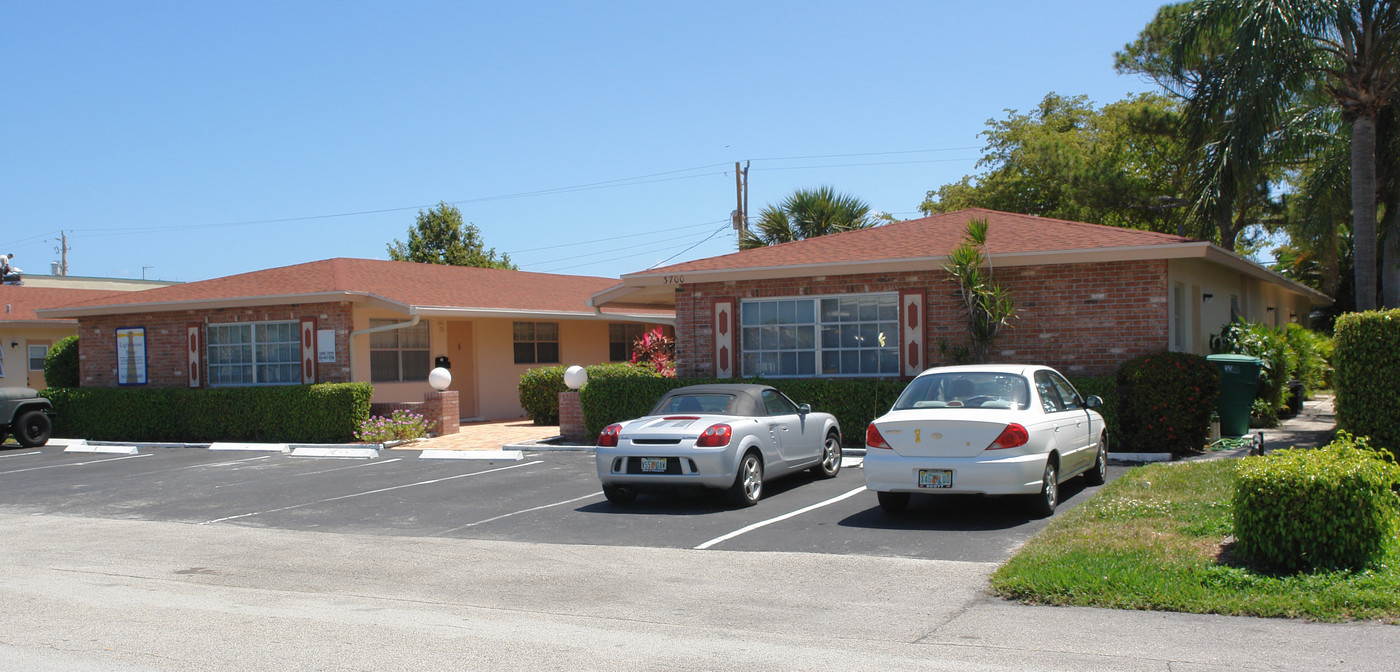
(1153, 540)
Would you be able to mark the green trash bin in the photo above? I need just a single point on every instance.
(1239, 381)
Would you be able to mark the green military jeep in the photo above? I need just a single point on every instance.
(26, 415)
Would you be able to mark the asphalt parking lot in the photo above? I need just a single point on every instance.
(546, 497)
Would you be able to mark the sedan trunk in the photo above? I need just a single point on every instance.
(951, 433)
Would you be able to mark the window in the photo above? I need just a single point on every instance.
(833, 336)
(1179, 317)
(969, 389)
(37, 353)
(255, 353)
(2, 362)
(778, 404)
(536, 342)
(621, 337)
(398, 355)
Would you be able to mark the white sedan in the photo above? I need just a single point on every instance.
(730, 437)
(987, 429)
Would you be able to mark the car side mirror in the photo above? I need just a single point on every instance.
(1093, 402)
(804, 409)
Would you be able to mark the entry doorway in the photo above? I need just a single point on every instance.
(462, 351)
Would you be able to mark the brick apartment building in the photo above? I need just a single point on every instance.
(877, 302)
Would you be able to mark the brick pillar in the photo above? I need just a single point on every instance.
(442, 412)
(571, 417)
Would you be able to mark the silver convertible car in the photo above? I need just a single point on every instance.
(989, 429)
(729, 437)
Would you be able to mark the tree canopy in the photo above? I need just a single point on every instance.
(439, 236)
(1119, 165)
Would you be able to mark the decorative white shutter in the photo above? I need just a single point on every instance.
(308, 350)
(724, 339)
(192, 349)
(911, 333)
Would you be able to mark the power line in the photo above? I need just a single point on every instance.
(881, 163)
(663, 261)
(612, 238)
(842, 156)
(634, 254)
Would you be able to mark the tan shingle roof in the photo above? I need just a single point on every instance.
(412, 284)
(934, 236)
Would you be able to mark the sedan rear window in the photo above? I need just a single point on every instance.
(695, 403)
(966, 389)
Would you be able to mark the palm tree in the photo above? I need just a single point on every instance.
(1279, 50)
(807, 213)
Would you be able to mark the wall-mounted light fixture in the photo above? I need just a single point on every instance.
(14, 344)
(1292, 316)
(1205, 298)
(1270, 309)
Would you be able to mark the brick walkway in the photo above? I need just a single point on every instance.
(486, 436)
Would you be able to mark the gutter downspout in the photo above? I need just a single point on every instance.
(387, 327)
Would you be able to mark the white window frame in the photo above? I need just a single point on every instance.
(890, 349)
(256, 352)
(377, 345)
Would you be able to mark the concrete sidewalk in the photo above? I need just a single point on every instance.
(1313, 427)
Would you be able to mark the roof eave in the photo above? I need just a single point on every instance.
(207, 304)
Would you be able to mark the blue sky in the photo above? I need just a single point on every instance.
(205, 139)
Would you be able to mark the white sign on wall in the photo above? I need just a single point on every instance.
(325, 346)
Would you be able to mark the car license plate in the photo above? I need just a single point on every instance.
(935, 478)
(654, 464)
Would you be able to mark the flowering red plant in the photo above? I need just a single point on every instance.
(656, 349)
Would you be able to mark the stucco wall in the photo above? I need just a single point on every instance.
(1081, 319)
(15, 341)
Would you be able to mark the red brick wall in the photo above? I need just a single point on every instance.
(166, 358)
(1082, 319)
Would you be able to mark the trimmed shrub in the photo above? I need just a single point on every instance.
(540, 388)
(323, 413)
(1334, 507)
(61, 364)
(1165, 401)
(854, 401)
(1367, 362)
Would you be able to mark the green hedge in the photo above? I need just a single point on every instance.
(1366, 356)
(324, 413)
(61, 364)
(1330, 508)
(854, 401)
(1165, 401)
(540, 388)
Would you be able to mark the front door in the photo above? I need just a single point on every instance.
(462, 353)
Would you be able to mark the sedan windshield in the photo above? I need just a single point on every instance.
(965, 389)
(695, 403)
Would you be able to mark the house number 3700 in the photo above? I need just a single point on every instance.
(672, 279)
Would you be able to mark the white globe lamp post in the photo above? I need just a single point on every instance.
(575, 376)
(439, 378)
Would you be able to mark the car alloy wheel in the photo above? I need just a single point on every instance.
(748, 483)
(1043, 504)
(831, 457)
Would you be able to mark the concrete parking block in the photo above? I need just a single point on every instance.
(472, 455)
(264, 447)
(81, 446)
(315, 451)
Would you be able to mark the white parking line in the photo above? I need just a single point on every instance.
(369, 492)
(74, 464)
(507, 515)
(37, 452)
(770, 521)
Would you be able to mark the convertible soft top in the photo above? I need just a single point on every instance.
(748, 399)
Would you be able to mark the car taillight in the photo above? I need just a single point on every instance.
(873, 438)
(715, 436)
(608, 437)
(1014, 435)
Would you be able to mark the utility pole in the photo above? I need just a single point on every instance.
(741, 197)
(62, 251)
(143, 271)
